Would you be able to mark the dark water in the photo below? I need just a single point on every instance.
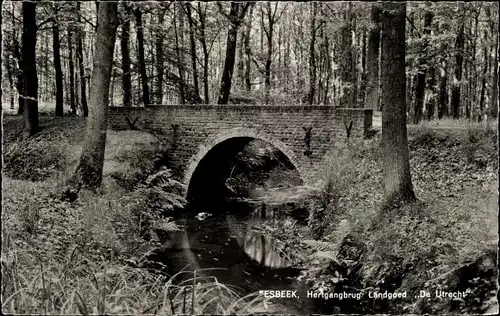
(227, 246)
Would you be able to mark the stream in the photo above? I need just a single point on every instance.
(225, 245)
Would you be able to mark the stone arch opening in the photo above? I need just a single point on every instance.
(208, 170)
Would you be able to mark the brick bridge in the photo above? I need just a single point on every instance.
(203, 136)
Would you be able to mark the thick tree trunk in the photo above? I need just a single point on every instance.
(127, 77)
(372, 59)
(142, 63)
(232, 38)
(71, 73)
(89, 171)
(79, 54)
(312, 57)
(397, 179)
(227, 73)
(31, 122)
(459, 48)
(58, 69)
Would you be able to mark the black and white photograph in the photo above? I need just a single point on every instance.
(245, 158)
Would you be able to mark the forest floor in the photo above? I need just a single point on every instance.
(67, 258)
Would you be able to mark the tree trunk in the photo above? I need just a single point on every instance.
(241, 60)
(181, 48)
(443, 92)
(127, 77)
(89, 171)
(179, 61)
(312, 57)
(142, 63)
(326, 100)
(71, 73)
(420, 87)
(362, 88)
(20, 76)
(483, 85)
(79, 54)
(159, 60)
(31, 122)
(11, 80)
(194, 57)
(346, 71)
(431, 83)
(397, 179)
(248, 51)
(459, 48)
(58, 69)
(269, 55)
(206, 56)
(494, 84)
(232, 37)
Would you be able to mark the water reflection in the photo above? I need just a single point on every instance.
(229, 248)
(263, 249)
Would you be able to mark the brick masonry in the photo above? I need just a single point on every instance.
(303, 133)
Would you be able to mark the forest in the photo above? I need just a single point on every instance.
(96, 219)
(319, 53)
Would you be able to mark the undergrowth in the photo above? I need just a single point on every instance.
(452, 225)
(90, 256)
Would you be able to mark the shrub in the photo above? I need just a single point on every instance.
(34, 159)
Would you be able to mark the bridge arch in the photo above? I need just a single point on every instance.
(238, 133)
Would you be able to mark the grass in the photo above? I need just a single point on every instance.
(74, 284)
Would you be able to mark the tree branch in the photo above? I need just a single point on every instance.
(51, 19)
